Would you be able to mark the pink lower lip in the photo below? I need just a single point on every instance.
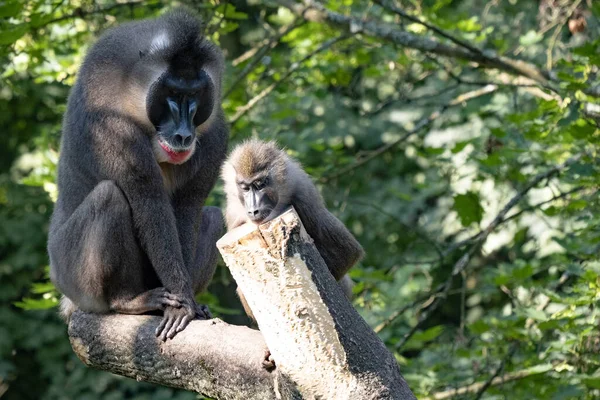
(175, 156)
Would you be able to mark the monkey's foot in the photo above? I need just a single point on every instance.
(202, 312)
(268, 362)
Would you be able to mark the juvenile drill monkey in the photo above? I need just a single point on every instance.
(143, 142)
(262, 181)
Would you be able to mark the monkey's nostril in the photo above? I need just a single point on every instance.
(183, 139)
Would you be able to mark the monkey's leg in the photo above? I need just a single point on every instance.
(203, 268)
(97, 262)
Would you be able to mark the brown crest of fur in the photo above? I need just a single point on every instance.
(254, 156)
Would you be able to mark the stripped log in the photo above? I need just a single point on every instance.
(317, 338)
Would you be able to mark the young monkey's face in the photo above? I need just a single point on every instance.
(259, 196)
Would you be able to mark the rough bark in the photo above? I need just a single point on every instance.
(212, 358)
(317, 338)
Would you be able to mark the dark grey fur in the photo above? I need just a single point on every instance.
(128, 234)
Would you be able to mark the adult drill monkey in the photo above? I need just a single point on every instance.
(143, 141)
(262, 181)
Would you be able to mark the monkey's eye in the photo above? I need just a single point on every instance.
(245, 188)
(260, 184)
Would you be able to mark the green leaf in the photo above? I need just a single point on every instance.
(231, 13)
(523, 273)
(535, 314)
(469, 25)
(429, 334)
(10, 8)
(458, 147)
(592, 382)
(468, 208)
(37, 304)
(12, 33)
(480, 326)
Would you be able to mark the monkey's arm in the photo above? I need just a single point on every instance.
(333, 240)
(187, 204)
(126, 157)
(189, 199)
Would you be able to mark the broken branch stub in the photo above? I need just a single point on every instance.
(317, 338)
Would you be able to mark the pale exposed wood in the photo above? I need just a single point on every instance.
(317, 338)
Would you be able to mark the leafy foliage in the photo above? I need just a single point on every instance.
(418, 153)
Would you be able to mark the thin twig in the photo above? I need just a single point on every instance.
(495, 381)
(534, 207)
(499, 380)
(559, 28)
(416, 230)
(241, 111)
(263, 51)
(504, 83)
(408, 100)
(80, 13)
(419, 126)
(500, 368)
(389, 320)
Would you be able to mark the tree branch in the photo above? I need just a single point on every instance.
(211, 357)
(419, 126)
(260, 53)
(241, 111)
(315, 12)
(387, 5)
(81, 13)
(498, 380)
(500, 368)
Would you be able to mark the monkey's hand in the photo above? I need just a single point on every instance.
(175, 319)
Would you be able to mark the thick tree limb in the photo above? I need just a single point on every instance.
(317, 338)
(315, 12)
(211, 357)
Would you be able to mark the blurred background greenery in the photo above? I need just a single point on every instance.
(419, 153)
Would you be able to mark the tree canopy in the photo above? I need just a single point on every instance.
(457, 139)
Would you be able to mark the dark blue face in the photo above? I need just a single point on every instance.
(176, 106)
